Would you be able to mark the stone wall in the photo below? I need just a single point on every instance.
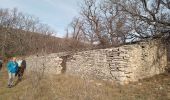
(121, 64)
(51, 63)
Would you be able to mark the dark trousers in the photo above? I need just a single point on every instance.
(0, 65)
(20, 72)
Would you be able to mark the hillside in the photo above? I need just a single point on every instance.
(24, 34)
(63, 87)
(20, 42)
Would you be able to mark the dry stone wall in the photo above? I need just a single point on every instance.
(121, 64)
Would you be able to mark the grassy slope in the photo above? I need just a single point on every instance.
(64, 87)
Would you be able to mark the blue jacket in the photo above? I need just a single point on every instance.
(12, 66)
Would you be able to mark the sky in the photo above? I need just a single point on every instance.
(56, 13)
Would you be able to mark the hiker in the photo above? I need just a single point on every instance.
(22, 67)
(12, 67)
(19, 61)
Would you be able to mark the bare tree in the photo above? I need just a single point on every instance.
(101, 23)
(115, 23)
(148, 18)
(91, 16)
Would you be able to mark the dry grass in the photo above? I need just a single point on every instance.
(63, 87)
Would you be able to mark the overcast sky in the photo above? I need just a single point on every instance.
(56, 13)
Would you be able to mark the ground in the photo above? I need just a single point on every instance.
(63, 87)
